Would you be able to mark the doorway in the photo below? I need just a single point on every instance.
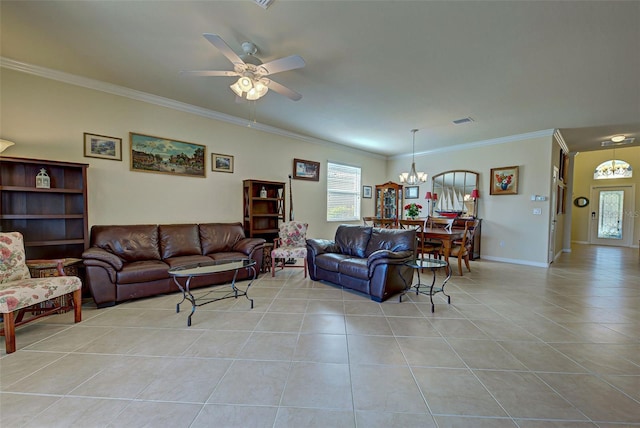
(611, 221)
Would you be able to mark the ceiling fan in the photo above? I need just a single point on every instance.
(252, 83)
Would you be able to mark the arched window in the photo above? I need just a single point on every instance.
(614, 168)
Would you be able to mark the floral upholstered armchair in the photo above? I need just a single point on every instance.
(20, 294)
(291, 243)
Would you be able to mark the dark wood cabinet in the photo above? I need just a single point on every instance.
(52, 220)
(263, 207)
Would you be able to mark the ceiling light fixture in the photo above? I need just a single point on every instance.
(617, 138)
(412, 177)
(250, 88)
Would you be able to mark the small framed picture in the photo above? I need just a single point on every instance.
(221, 163)
(504, 181)
(411, 192)
(306, 170)
(366, 192)
(102, 147)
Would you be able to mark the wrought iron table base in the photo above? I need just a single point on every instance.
(431, 264)
(203, 300)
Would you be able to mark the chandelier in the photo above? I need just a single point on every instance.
(412, 177)
(250, 88)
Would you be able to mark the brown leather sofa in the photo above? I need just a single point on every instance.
(366, 259)
(132, 261)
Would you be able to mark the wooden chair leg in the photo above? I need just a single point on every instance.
(460, 265)
(273, 266)
(305, 267)
(9, 332)
(77, 305)
(466, 262)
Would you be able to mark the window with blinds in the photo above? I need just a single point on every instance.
(343, 192)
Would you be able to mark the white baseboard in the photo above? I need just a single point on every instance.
(515, 261)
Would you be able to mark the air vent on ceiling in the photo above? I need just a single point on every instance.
(463, 120)
(263, 3)
(624, 142)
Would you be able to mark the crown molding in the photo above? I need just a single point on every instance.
(484, 143)
(133, 94)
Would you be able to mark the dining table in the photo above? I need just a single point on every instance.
(446, 236)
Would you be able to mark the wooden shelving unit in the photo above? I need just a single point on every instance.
(262, 215)
(53, 221)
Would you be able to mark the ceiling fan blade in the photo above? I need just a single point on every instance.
(283, 90)
(283, 64)
(217, 41)
(209, 73)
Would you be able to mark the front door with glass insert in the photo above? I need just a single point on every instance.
(611, 218)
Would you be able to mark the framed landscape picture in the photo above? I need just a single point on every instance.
(504, 181)
(166, 156)
(221, 163)
(306, 170)
(102, 147)
(367, 192)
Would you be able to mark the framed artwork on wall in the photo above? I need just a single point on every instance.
(504, 181)
(221, 163)
(411, 192)
(367, 192)
(102, 147)
(306, 170)
(166, 156)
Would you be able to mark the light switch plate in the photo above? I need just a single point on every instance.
(537, 211)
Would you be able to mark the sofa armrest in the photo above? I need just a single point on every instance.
(321, 246)
(100, 255)
(248, 245)
(387, 257)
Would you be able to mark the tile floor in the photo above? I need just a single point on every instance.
(518, 347)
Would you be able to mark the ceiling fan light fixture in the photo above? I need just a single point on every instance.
(617, 138)
(245, 83)
(236, 89)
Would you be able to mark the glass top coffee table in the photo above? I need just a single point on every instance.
(203, 269)
(434, 265)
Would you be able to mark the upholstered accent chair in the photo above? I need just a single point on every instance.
(291, 243)
(20, 294)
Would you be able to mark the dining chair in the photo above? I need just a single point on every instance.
(291, 243)
(423, 246)
(462, 247)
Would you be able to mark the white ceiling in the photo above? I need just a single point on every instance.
(375, 69)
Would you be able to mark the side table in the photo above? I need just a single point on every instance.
(44, 268)
(434, 265)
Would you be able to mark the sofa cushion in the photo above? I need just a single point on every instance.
(331, 261)
(187, 260)
(352, 240)
(130, 243)
(354, 267)
(179, 240)
(390, 239)
(220, 237)
(143, 271)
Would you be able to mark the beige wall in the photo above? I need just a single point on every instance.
(584, 165)
(510, 232)
(46, 119)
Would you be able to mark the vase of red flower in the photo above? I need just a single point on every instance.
(413, 210)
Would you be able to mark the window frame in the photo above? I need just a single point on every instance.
(355, 192)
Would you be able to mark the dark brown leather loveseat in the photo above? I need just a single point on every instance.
(366, 259)
(132, 261)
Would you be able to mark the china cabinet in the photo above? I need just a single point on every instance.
(389, 201)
